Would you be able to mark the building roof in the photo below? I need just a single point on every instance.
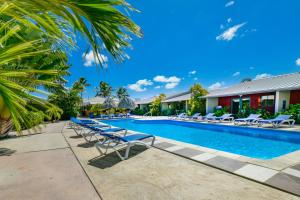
(95, 100)
(184, 96)
(271, 84)
(145, 101)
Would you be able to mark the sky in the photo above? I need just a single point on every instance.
(216, 43)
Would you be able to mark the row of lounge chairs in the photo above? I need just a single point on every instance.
(108, 137)
(252, 119)
(110, 116)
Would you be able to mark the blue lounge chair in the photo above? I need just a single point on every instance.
(180, 116)
(94, 131)
(194, 117)
(116, 143)
(251, 119)
(208, 116)
(223, 118)
(279, 120)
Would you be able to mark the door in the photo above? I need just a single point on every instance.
(235, 106)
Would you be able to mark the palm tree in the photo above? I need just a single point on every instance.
(104, 90)
(122, 93)
(54, 22)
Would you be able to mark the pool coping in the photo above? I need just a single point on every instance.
(282, 172)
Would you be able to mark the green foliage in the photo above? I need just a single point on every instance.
(138, 111)
(264, 113)
(294, 110)
(104, 90)
(96, 109)
(122, 93)
(35, 37)
(246, 111)
(196, 104)
(222, 111)
(69, 100)
(155, 106)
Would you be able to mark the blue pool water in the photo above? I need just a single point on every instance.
(251, 142)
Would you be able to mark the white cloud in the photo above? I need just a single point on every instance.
(193, 72)
(139, 86)
(236, 74)
(89, 59)
(229, 20)
(195, 79)
(222, 26)
(298, 62)
(157, 87)
(171, 85)
(261, 76)
(251, 68)
(230, 3)
(230, 33)
(171, 81)
(216, 85)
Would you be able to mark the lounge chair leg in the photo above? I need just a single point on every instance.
(153, 140)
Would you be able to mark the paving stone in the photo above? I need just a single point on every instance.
(204, 157)
(188, 152)
(292, 171)
(297, 167)
(163, 145)
(256, 172)
(286, 182)
(226, 163)
(174, 148)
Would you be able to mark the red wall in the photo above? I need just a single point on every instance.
(254, 100)
(295, 97)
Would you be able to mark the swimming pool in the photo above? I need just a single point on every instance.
(246, 141)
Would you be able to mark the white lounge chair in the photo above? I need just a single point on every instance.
(119, 142)
(278, 121)
(223, 118)
(251, 119)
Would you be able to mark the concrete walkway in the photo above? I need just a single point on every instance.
(43, 166)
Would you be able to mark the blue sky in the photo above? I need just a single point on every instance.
(214, 42)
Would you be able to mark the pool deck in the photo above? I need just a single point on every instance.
(57, 164)
(276, 172)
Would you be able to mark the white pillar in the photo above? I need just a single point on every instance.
(277, 101)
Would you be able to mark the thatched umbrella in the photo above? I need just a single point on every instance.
(127, 103)
(109, 103)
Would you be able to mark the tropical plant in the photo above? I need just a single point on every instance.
(294, 110)
(196, 103)
(69, 100)
(104, 90)
(221, 111)
(122, 93)
(155, 106)
(51, 25)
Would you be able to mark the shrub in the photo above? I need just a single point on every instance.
(220, 112)
(294, 110)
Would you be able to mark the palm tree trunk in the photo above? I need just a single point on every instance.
(5, 127)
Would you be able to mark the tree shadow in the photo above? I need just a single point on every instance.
(111, 159)
(6, 152)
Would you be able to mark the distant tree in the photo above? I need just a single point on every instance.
(246, 80)
(196, 103)
(122, 93)
(104, 90)
(69, 100)
(155, 106)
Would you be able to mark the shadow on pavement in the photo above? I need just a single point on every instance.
(6, 152)
(112, 159)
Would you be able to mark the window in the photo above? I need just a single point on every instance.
(267, 101)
